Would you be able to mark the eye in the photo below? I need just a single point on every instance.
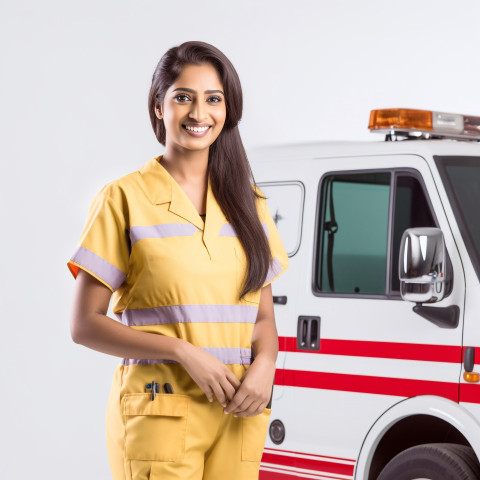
(181, 97)
(215, 99)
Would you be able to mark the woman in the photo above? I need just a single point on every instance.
(193, 294)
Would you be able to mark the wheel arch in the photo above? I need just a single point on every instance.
(442, 415)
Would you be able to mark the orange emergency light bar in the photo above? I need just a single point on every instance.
(407, 122)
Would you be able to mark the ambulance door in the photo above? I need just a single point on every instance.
(355, 348)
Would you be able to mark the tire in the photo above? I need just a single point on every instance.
(468, 455)
(433, 461)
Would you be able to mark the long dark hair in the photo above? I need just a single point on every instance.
(230, 174)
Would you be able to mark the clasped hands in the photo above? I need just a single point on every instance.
(246, 397)
(254, 391)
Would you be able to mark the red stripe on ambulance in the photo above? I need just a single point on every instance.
(313, 455)
(307, 461)
(470, 393)
(286, 474)
(400, 387)
(400, 351)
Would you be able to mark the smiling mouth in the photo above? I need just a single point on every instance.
(196, 129)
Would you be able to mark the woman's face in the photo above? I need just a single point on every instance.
(194, 109)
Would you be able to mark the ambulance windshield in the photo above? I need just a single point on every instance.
(461, 178)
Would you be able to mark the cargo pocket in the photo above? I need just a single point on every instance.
(155, 429)
(254, 434)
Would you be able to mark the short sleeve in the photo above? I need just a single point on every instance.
(103, 248)
(279, 262)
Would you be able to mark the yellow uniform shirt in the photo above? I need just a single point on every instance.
(170, 272)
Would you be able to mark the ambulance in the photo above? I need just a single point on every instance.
(378, 315)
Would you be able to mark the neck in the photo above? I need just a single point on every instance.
(186, 166)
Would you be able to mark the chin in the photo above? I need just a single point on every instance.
(194, 147)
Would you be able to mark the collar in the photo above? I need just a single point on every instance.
(160, 187)
(156, 181)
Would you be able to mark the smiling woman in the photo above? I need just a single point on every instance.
(191, 398)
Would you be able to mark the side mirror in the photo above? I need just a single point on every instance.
(422, 265)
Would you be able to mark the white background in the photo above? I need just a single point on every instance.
(74, 80)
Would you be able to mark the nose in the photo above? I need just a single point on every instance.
(198, 110)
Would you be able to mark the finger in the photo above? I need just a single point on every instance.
(220, 394)
(237, 399)
(208, 393)
(244, 406)
(257, 409)
(253, 409)
(228, 389)
(234, 381)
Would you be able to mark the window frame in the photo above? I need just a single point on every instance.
(319, 221)
(302, 208)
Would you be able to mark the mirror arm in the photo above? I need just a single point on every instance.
(443, 317)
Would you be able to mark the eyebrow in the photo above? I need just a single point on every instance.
(194, 91)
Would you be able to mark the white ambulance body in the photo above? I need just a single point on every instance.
(361, 377)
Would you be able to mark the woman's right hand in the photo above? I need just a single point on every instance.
(211, 375)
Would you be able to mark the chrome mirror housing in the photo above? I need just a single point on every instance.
(422, 265)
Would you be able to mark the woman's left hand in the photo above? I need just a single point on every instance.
(255, 391)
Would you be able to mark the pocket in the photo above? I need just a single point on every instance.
(254, 434)
(155, 429)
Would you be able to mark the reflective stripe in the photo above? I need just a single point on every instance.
(226, 355)
(145, 361)
(274, 269)
(228, 231)
(162, 230)
(189, 314)
(98, 266)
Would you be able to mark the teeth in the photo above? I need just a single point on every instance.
(196, 129)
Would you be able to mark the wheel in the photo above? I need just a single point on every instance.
(433, 461)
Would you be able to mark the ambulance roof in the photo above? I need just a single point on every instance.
(424, 148)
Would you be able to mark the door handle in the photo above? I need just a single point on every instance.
(281, 300)
(308, 333)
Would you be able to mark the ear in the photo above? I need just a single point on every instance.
(158, 113)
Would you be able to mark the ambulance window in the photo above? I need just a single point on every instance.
(411, 210)
(353, 233)
(285, 203)
(461, 178)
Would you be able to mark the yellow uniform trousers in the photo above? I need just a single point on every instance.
(180, 435)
